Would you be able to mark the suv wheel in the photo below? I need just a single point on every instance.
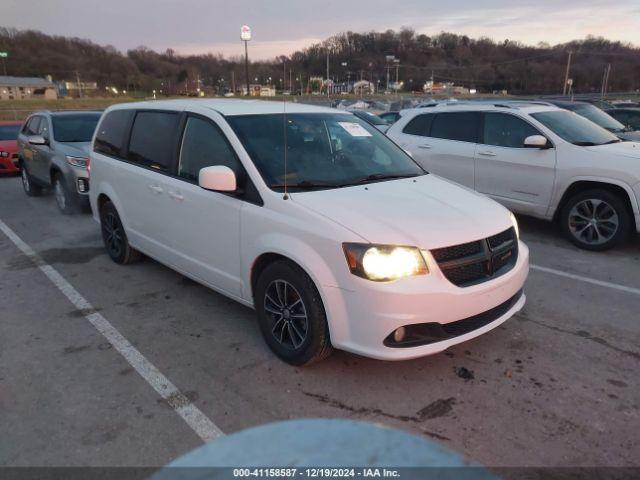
(595, 220)
(64, 198)
(291, 314)
(115, 238)
(30, 188)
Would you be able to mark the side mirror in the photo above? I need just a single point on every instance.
(217, 178)
(536, 141)
(37, 140)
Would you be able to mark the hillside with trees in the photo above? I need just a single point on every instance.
(475, 63)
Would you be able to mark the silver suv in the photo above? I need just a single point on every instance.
(53, 149)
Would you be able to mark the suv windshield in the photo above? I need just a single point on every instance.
(599, 117)
(9, 132)
(74, 128)
(324, 150)
(575, 129)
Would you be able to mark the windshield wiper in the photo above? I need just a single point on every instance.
(585, 144)
(374, 177)
(306, 185)
(615, 140)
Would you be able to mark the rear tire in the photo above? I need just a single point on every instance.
(67, 203)
(595, 220)
(115, 238)
(30, 188)
(291, 314)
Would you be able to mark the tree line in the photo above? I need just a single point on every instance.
(480, 63)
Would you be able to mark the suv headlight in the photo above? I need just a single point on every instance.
(81, 162)
(514, 221)
(384, 263)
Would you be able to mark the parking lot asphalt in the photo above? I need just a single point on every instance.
(556, 385)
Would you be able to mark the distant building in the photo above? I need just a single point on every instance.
(20, 88)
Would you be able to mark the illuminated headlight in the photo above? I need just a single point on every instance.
(81, 162)
(383, 263)
(4, 154)
(514, 221)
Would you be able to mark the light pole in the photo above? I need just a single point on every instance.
(245, 36)
(4, 56)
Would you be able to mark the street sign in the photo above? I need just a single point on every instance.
(245, 33)
(4, 54)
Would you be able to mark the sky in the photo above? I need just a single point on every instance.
(283, 26)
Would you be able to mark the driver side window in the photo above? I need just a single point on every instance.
(204, 145)
(504, 130)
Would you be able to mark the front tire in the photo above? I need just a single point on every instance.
(67, 204)
(291, 314)
(115, 238)
(595, 220)
(30, 188)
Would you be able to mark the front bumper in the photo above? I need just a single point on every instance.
(361, 319)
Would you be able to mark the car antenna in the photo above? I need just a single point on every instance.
(284, 109)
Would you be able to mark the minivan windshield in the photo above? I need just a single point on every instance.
(77, 127)
(323, 150)
(575, 129)
(597, 116)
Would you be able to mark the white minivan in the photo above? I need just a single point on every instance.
(311, 216)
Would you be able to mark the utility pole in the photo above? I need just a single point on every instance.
(327, 72)
(605, 80)
(284, 75)
(4, 56)
(233, 81)
(78, 84)
(290, 82)
(566, 74)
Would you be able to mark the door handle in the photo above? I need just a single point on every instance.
(176, 196)
(426, 146)
(156, 188)
(488, 154)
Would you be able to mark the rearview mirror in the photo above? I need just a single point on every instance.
(217, 178)
(536, 141)
(37, 140)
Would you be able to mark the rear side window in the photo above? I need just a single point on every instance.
(419, 125)
(460, 126)
(152, 139)
(504, 130)
(111, 134)
(204, 145)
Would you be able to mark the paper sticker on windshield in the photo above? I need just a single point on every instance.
(354, 129)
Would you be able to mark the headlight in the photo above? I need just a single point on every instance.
(4, 154)
(515, 226)
(81, 162)
(383, 263)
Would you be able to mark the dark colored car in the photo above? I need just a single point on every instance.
(390, 117)
(9, 147)
(630, 117)
(372, 119)
(599, 117)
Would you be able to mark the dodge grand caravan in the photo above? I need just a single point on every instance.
(311, 216)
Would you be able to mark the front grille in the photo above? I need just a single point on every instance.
(476, 262)
(426, 333)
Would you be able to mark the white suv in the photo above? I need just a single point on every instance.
(534, 158)
(314, 218)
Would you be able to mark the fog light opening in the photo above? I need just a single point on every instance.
(399, 334)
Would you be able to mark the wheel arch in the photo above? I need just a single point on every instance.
(620, 189)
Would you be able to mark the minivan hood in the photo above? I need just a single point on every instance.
(427, 212)
(78, 149)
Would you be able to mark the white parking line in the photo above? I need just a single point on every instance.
(197, 420)
(593, 281)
